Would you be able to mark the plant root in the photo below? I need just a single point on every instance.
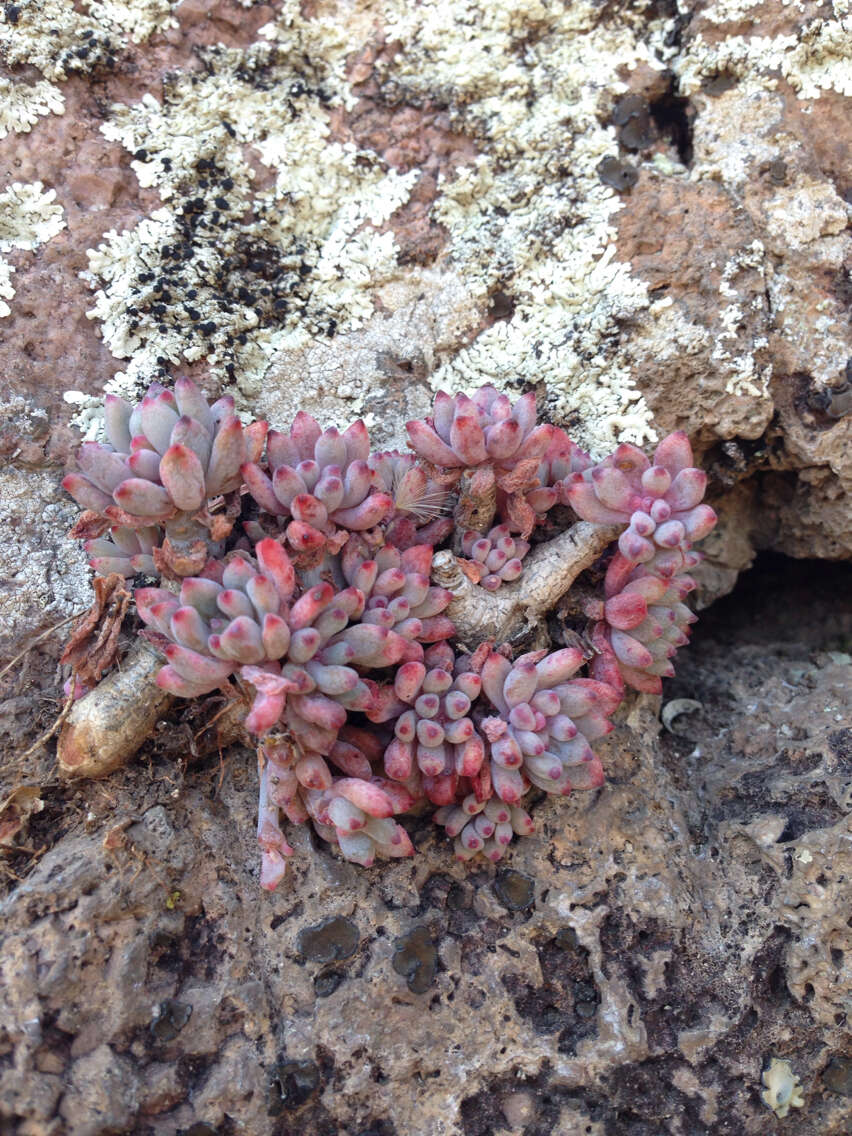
(516, 608)
(106, 727)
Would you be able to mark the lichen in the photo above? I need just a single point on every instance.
(28, 218)
(23, 104)
(783, 1090)
(57, 37)
(812, 61)
(205, 278)
(744, 376)
(44, 577)
(532, 218)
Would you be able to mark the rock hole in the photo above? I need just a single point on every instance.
(674, 115)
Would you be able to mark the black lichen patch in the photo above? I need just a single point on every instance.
(674, 116)
(416, 959)
(378, 1128)
(502, 306)
(170, 1019)
(628, 947)
(645, 1101)
(292, 1084)
(199, 1129)
(482, 1114)
(833, 401)
(514, 890)
(617, 174)
(332, 940)
(840, 744)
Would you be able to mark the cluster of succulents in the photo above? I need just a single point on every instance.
(495, 558)
(292, 573)
(643, 619)
(169, 461)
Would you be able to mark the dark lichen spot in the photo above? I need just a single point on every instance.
(331, 940)
(171, 1017)
(327, 982)
(416, 959)
(12, 13)
(837, 1076)
(619, 175)
(840, 744)
(199, 1129)
(514, 890)
(459, 898)
(833, 401)
(502, 306)
(378, 1128)
(292, 1084)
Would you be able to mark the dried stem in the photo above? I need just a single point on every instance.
(476, 505)
(107, 726)
(549, 572)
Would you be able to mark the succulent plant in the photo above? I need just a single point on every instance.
(164, 463)
(321, 480)
(319, 618)
(126, 551)
(487, 431)
(419, 502)
(643, 618)
(659, 502)
(495, 558)
(525, 509)
(544, 721)
(398, 592)
(483, 826)
(488, 444)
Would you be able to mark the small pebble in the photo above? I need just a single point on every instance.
(518, 1108)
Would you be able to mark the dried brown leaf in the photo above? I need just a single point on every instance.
(92, 648)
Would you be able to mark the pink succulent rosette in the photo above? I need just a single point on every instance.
(494, 442)
(495, 558)
(659, 501)
(321, 480)
(165, 463)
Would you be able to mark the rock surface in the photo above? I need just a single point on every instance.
(642, 209)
